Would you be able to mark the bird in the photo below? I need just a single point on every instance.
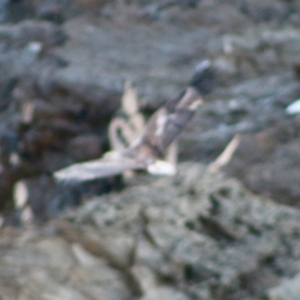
(146, 152)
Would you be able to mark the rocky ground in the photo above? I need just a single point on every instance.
(232, 234)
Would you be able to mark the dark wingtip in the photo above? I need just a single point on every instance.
(204, 79)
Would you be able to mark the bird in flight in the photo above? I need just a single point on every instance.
(147, 150)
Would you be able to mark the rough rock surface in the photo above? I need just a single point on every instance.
(196, 236)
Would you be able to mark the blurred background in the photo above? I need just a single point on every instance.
(63, 67)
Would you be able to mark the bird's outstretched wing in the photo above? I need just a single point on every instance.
(98, 168)
(168, 121)
(106, 167)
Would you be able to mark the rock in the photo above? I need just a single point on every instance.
(164, 294)
(85, 147)
(289, 289)
(20, 35)
(196, 235)
(52, 13)
(22, 45)
(16, 11)
(90, 75)
(267, 11)
(268, 162)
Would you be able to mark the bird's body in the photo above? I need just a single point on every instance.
(147, 151)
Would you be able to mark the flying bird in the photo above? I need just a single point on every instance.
(146, 152)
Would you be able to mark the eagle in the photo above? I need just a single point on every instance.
(147, 150)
